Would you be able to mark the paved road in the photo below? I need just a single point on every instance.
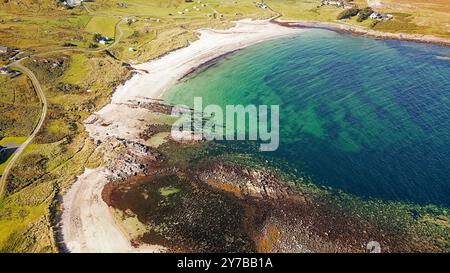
(36, 129)
(43, 100)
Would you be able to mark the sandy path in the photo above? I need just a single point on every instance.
(87, 222)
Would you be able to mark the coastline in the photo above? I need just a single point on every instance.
(419, 38)
(87, 222)
(210, 45)
(93, 216)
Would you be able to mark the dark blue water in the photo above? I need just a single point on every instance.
(369, 117)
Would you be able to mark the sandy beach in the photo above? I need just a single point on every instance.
(167, 70)
(87, 222)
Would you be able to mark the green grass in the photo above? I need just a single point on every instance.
(22, 212)
(418, 17)
(401, 22)
(19, 106)
(77, 69)
(15, 140)
(304, 10)
(102, 25)
(79, 21)
(19, 218)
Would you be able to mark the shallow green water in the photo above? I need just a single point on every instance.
(366, 116)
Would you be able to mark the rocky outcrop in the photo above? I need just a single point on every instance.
(127, 158)
(247, 182)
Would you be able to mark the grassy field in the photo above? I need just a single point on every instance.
(103, 25)
(19, 106)
(417, 16)
(78, 80)
(19, 109)
(414, 17)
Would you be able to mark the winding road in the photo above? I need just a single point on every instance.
(36, 129)
(43, 101)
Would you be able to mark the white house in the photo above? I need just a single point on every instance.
(380, 16)
(73, 3)
(261, 5)
(3, 49)
(374, 15)
(4, 70)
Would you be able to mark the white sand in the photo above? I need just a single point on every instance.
(167, 70)
(88, 225)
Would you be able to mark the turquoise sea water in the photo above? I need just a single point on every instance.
(369, 117)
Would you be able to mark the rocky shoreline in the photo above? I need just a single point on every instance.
(420, 38)
(182, 199)
(264, 212)
(261, 212)
(183, 194)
